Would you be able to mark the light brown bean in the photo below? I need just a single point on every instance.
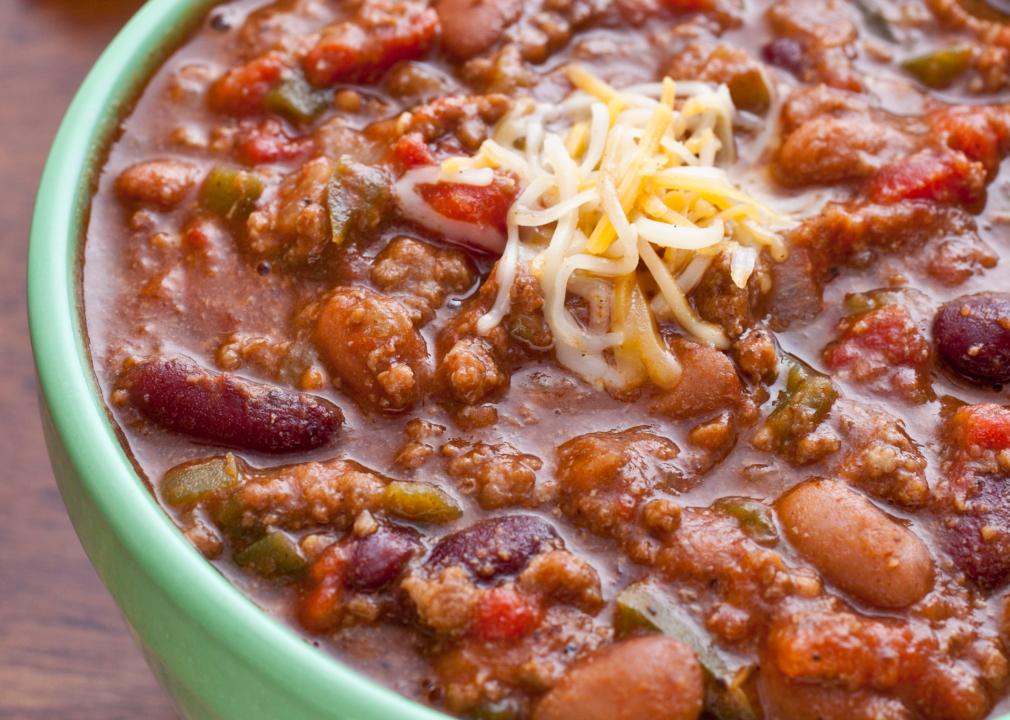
(469, 27)
(854, 545)
(653, 677)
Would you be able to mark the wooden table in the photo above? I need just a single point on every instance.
(64, 651)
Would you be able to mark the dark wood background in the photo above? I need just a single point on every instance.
(64, 651)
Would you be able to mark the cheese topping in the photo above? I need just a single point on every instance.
(623, 205)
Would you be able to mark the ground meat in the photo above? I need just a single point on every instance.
(710, 552)
(369, 343)
(709, 383)
(719, 300)
(294, 227)
(605, 479)
(756, 354)
(287, 361)
(476, 674)
(422, 275)
(880, 456)
(475, 368)
(828, 150)
(745, 76)
(276, 26)
(559, 575)
(415, 451)
(809, 102)
(856, 233)
(300, 496)
(904, 661)
(161, 183)
(467, 117)
(472, 372)
(498, 475)
(445, 603)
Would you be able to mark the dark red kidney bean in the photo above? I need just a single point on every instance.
(496, 546)
(787, 54)
(378, 559)
(978, 540)
(973, 336)
(221, 409)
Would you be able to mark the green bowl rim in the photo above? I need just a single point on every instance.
(68, 387)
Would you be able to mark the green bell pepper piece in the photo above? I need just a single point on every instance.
(420, 502)
(939, 69)
(194, 482)
(272, 555)
(647, 606)
(230, 192)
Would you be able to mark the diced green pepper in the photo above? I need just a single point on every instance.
(804, 403)
(755, 518)
(230, 192)
(272, 555)
(358, 199)
(939, 69)
(647, 606)
(194, 482)
(874, 20)
(297, 100)
(420, 502)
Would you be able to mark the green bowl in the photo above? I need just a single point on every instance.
(213, 649)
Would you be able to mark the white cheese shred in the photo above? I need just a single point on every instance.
(621, 186)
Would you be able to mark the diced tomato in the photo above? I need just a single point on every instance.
(485, 206)
(884, 343)
(889, 331)
(981, 133)
(504, 614)
(410, 151)
(268, 141)
(241, 91)
(321, 607)
(947, 177)
(382, 34)
(986, 425)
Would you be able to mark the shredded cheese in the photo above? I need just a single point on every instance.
(624, 186)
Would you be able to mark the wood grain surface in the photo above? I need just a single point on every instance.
(64, 651)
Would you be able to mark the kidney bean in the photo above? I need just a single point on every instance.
(222, 409)
(854, 545)
(652, 677)
(973, 336)
(377, 559)
(496, 546)
(978, 540)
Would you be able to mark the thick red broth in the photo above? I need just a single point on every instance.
(581, 359)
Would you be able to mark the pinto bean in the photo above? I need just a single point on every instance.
(497, 546)
(855, 545)
(222, 409)
(653, 677)
(469, 27)
(162, 183)
(369, 342)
